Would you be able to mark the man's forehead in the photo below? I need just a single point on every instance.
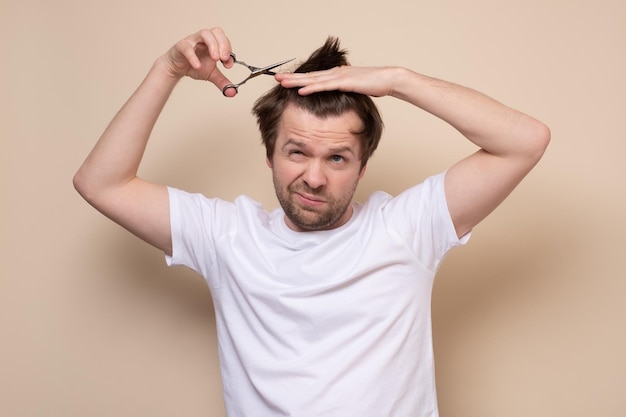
(299, 119)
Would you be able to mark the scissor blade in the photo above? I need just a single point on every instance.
(269, 67)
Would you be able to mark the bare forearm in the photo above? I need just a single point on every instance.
(116, 157)
(492, 126)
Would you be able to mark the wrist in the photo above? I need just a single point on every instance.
(160, 79)
(164, 68)
(399, 77)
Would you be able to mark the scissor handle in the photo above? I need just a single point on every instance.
(236, 86)
(227, 86)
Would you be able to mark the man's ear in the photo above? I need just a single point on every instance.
(268, 162)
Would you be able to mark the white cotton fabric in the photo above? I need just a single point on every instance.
(328, 323)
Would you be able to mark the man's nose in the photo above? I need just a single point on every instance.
(314, 174)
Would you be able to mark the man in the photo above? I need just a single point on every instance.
(322, 306)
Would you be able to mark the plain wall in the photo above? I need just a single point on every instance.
(528, 318)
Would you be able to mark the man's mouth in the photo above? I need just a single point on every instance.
(309, 199)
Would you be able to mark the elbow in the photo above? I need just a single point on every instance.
(543, 137)
(80, 184)
(538, 140)
(84, 185)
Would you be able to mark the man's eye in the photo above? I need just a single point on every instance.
(337, 158)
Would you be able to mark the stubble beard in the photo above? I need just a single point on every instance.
(308, 218)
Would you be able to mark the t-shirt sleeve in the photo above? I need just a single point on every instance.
(420, 216)
(194, 225)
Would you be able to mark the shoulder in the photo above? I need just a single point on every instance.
(242, 202)
(420, 196)
(196, 207)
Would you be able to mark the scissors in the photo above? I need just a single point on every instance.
(254, 71)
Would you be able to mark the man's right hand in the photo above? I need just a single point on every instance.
(197, 55)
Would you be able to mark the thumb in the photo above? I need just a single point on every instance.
(221, 81)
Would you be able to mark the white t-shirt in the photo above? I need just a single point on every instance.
(326, 323)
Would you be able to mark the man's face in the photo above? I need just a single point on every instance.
(316, 168)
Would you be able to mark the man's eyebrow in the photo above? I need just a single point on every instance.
(340, 149)
(300, 144)
(294, 142)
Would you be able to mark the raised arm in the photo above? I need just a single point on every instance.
(108, 178)
(511, 143)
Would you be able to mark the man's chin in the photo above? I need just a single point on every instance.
(303, 225)
(311, 221)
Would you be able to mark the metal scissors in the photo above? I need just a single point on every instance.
(254, 71)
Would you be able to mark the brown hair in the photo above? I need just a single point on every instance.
(269, 108)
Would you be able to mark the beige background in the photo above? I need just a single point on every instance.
(528, 319)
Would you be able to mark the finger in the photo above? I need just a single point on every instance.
(221, 81)
(188, 49)
(224, 47)
(312, 84)
(295, 79)
(230, 92)
(218, 45)
(205, 36)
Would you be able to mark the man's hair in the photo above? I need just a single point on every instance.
(269, 108)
